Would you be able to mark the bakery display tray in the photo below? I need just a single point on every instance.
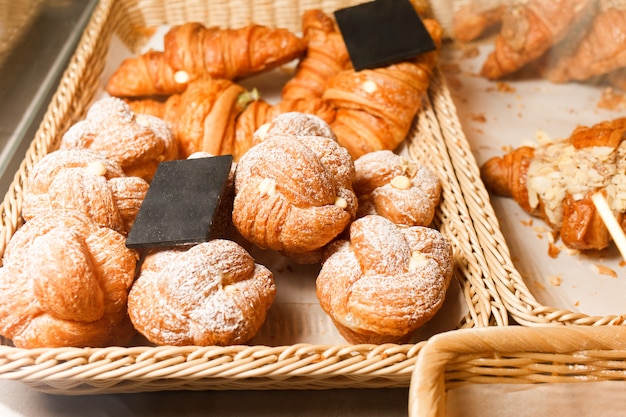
(297, 348)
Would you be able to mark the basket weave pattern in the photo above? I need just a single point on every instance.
(76, 371)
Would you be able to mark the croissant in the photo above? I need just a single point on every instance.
(210, 294)
(555, 181)
(65, 282)
(385, 281)
(138, 143)
(601, 50)
(86, 181)
(376, 107)
(192, 51)
(529, 29)
(326, 55)
(293, 194)
(202, 118)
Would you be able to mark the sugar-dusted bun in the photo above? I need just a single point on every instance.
(138, 143)
(64, 282)
(386, 281)
(296, 124)
(293, 194)
(86, 181)
(210, 294)
(394, 187)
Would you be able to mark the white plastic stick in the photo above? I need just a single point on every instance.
(610, 221)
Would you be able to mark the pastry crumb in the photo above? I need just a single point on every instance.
(556, 280)
(605, 270)
(553, 250)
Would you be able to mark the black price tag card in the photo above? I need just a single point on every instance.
(383, 32)
(181, 203)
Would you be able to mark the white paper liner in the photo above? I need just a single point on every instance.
(500, 116)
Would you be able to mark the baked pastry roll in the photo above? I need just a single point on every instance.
(556, 179)
(86, 181)
(326, 55)
(402, 191)
(210, 294)
(138, 143)
(293, 194)
(192, 51)
(202, 118)
(376, 107)
(529, 29)
(64, 282)
(385, 281)
(601, 50)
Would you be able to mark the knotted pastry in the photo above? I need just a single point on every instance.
(202, 118)
(138, 143)
(64, 282)
(529, 29)
(210, 294)
(260, 112)
(376, 107)
(402, 191)
(192, 51)
(293, 194)
(386, 281)
(555, 181)
(86, 181)
(326, 56)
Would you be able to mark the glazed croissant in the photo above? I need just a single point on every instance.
(192, 51)
(138, 143)
(555, 181)
(529, 29)
(386, 281)
(376, 107)
(86, 181)
(326, 56)
(202, 118)
(64, 282)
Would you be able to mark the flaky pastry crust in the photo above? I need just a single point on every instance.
(390, 185)
(86, 181)
(293, 194)
(210, 294)
(138, 143)
(64, 282)
(386, 281)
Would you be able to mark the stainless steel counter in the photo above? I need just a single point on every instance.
(28, 78)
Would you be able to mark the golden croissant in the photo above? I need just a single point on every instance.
(193, 51)
(555, 181)
(529, 29)
(376, 107)
(202, 118)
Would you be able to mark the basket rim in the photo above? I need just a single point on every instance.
(40, 365)
(428, 386)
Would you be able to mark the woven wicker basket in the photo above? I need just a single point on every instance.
(16, 18)
(434, 140)
(515, 355)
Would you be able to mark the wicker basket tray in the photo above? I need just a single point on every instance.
(434, 140)
(536, 288)
(512, 370)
